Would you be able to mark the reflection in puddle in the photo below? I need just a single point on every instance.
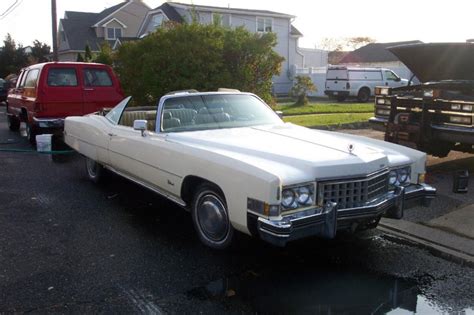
(334, 292)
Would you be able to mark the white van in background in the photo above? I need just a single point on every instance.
(343, 82)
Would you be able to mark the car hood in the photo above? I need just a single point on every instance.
(438, 61)
(296, 153)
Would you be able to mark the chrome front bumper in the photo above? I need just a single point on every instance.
(326, 221)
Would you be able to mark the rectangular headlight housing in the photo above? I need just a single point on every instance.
(383, 112)
(467, 108)
(465, 120)
(380, 90)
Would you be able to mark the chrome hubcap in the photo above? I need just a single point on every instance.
(91, 167)
(212, 218)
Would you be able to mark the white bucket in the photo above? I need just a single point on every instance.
(43, 142)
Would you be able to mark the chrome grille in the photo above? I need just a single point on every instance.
(353, 193)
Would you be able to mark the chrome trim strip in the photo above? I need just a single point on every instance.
(343, 179)
(175, 199)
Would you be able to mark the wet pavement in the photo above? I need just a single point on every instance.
(70, 246)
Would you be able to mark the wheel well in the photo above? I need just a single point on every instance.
(191, 183)
(364, 88)
(24, 114)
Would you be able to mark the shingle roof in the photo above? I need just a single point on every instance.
(211, 8)
(375, 52)
(78, 30)
(295, 31)
(170, 12)
(108, 11)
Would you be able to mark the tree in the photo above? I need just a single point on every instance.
(300, 89)
(88, 53)
(79, 58)
(105, 54)
(197, 56)
(12, 57)
(357, 42)
(39, 52)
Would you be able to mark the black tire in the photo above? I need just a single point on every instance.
(341, 98)
(30, 134)
(13, 123)
(211, 219)
(364, 95)
(95, 171)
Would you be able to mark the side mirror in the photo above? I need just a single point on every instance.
(398, 80)
(141, 125)
(279, 113)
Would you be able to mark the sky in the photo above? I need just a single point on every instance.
(385, 21)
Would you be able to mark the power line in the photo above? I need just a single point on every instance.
(10, 9)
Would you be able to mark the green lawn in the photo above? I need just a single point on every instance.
(318, 108)
(328, 119)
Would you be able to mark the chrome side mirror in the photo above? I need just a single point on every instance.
(141, 125)
(279, 113)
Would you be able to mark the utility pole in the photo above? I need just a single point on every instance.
(55, 30)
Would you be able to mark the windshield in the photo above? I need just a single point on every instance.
(202, 112)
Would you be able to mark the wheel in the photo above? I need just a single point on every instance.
(211, 219)
(364, 95)
(30, 134)
(341, 98)
(95, 171)
(13, 123)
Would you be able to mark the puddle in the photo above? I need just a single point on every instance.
(317, 292)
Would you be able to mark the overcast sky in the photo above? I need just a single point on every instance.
(386, 21)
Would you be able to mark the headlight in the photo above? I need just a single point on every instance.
(467, 108)
(382, 90)
(399, 176)
(456, 106)
(460, 120)
(297, 196)
(288, 199)
(383, 112)
(392, 177)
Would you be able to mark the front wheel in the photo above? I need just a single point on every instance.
(95, 171)
(13, 123)
(364, 95)
(211, 219)
(30, 134)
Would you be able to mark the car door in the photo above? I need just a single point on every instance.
(100, 89)
(391, 79)
(142, 157)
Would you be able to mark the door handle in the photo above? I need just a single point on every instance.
(88, 89)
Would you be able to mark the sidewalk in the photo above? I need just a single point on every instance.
(451, 235)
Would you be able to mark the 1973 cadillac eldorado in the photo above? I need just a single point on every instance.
(230, 160)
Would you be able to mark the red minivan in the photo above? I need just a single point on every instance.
(47, 93)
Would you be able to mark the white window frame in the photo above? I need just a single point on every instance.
(264, 24)
(222, 20)
(115, 32)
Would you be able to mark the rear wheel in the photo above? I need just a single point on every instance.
(364, 95)
(95, 171)
(13, 123)
(30, 134)
(211, 218)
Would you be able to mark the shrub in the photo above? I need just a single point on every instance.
(300, 89)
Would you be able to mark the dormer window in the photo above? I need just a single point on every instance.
(264, 25)
(114, 32)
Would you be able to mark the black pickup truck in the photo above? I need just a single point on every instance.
(437, 115)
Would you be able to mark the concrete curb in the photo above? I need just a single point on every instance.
(446, 245)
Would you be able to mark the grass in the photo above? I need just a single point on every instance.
(328, 119)
(288, 108)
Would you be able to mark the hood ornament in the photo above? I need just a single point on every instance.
(350, 147)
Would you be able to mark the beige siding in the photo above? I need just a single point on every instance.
(132, 16)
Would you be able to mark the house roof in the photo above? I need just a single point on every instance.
(232, 10)
(78, 30)
(375, 52)
(170, 12)
(106, 12)
(295, 31)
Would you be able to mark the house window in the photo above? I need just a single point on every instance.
(222, 19)
(155, 22)
(264, 25)
(114, 32)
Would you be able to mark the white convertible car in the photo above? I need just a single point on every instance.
(230, 160)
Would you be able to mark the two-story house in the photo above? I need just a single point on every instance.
(115, 24)
(260, 21)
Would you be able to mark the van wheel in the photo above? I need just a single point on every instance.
(94, 170)
(13, 123)
(211, 218)
(364, 95)
(30, 134)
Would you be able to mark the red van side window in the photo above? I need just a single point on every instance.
(62, 77)
(32, 78)
(97, 77)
